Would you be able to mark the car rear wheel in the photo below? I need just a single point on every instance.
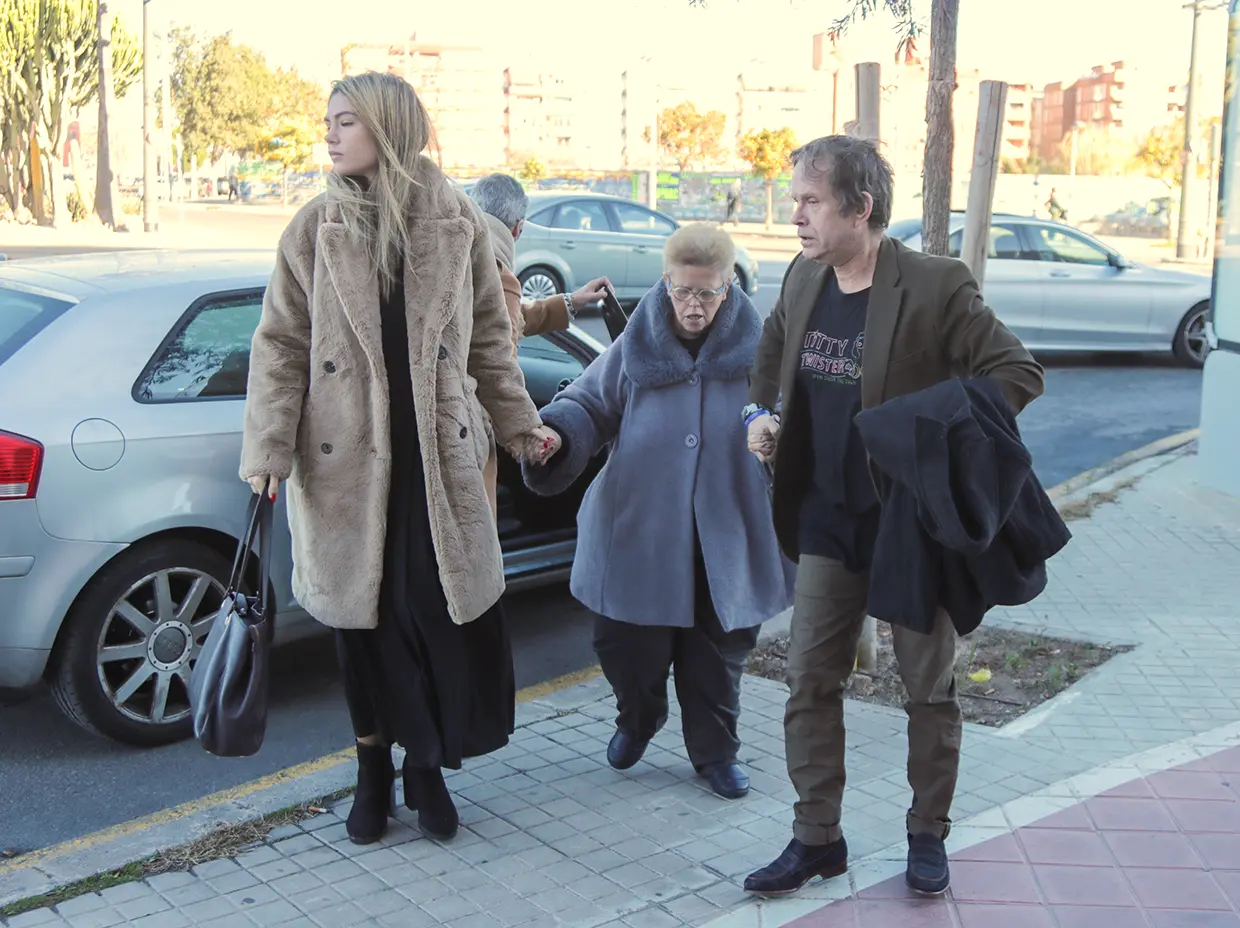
(121, 666)
(540, 283)
(1190, 346)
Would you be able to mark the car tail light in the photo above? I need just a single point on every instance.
(21, 460)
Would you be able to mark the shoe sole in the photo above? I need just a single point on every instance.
(929, 893)
(827, 873)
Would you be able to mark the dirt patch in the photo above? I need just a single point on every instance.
(1000, 674)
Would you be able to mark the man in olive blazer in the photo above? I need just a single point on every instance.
(860, 319)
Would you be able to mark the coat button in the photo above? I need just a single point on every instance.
(464, 432)
(325, 448)
(443, 353)
(691, 441)
(694, 379)
(329, 367)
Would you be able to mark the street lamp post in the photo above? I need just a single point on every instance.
(1188, 177)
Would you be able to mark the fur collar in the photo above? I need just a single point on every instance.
(502, 242)
(655, 357)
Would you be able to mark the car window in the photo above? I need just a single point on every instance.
(207, 355)
(904, 229)
(1061, 245)
(548, 367)
(581, 216)
(22, 316)
(542, 217)
(1005, 244)
(641, 221)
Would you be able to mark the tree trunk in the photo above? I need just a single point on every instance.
(936, 188)
(770, 203)
(107, 191)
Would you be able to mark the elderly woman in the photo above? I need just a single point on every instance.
(675, 550)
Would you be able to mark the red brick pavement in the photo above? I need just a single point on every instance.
(1158, 852)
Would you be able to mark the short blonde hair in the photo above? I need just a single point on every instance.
(700, 245)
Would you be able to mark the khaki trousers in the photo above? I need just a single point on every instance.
(827, 615)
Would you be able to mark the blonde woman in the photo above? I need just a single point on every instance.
(676, 552)
(383, 337)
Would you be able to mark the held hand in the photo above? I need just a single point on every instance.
(763, 436)
(261, 482)
(541, 445)
(591, 292)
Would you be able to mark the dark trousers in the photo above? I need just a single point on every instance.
(708, 663)
(826, 625)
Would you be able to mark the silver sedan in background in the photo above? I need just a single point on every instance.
(570, 238)
(1060, 289)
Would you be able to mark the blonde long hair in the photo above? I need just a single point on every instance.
(378, 215)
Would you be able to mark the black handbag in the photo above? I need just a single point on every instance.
(228, 686)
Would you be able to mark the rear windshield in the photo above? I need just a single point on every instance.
(22, 316)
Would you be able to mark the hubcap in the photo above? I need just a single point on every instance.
(1195, 337)
(538, 287)
(151, 640)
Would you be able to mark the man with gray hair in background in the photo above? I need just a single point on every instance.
(503, 202)
(860, 320)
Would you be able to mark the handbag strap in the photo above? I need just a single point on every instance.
(258, 527)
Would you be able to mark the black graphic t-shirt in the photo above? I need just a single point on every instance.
(839, 517)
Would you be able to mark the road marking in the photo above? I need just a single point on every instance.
(241, 791)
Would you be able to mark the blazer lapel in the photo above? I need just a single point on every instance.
(882, 316)
(356, 288)
(802, 297)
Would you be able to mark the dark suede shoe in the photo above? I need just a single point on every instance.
(427, 794)
(927, 871)
(375, 798)
(625, 750)
(728, 780)
(796, 866)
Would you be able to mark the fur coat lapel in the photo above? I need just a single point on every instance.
(655, 357)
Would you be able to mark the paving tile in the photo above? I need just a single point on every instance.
(1195, 815)
(1060, 846)
(913, 914)
(1181, 918)
(1098, 917)
(38, 918)
(1009, 916)
(1176, 889)
(106, 917)
(980, 881)
(1156, 849)
(1079, 885)
(1118, 814)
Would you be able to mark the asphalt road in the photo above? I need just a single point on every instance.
(59, 783)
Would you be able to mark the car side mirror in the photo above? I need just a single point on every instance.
(1119, 262)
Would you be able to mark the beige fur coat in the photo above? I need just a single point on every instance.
(317, 410)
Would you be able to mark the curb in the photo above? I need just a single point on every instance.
(47, 869)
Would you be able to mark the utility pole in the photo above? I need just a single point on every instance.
(150, 179)
(1188, 177)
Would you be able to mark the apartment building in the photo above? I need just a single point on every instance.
(461, 88)
(770, 96)
(1120, 98)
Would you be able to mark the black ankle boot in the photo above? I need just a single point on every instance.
(427, 794)
(375, 798)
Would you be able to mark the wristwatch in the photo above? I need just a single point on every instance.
(753, 411)
(568, 303)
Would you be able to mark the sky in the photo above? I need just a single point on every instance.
(1011, 40)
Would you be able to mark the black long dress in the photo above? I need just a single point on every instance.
(442, 691)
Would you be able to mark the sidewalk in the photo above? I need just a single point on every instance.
(1116, 804)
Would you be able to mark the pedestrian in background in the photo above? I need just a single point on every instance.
(675, 548)
(503, 202)
(734, 203)
(383, 311)
(860, 320)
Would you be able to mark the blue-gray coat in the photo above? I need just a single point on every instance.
(678, 455)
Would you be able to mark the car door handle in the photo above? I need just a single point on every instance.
(642, 249)
(1061, 273)
(570, 245)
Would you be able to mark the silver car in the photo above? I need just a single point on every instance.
(571, 238)
(122, 385)
(1060, 289)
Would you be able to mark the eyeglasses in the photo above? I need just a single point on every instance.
(686, 294)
